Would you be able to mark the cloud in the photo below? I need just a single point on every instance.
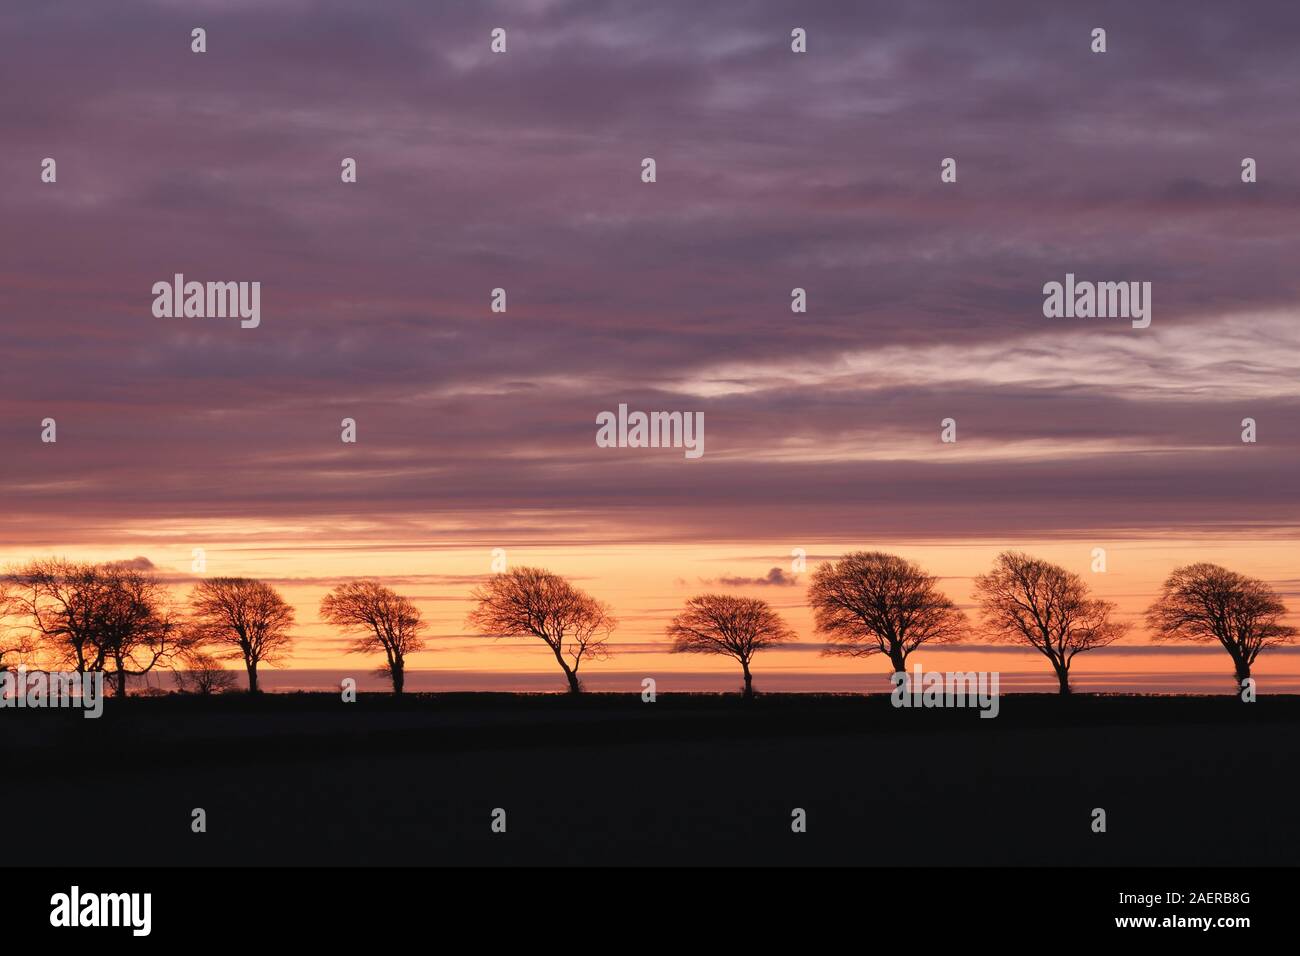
(132, 564)
(924, 298)
(775, 578)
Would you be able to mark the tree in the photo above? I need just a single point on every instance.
(11, 645)
(204, 674)
(382, 621)
(734, 626)
(98, 617)
(137, 630)
(65, 602)
(869, 603)
(1204, 602)
(538, 603)
(246, 617)
(1031, 601)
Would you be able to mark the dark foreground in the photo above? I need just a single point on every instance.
(307, 779)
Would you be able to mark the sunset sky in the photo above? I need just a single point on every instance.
(775, 170)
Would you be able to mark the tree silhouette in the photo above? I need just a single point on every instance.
(381, 619)
(110, 617)
(12, 645)
(138, 629)
(203, 674)
(1031, 601)
(246, 617)
(65, 602)
(869, 603)
(539, 603)
(1205, 602)
(734, 626)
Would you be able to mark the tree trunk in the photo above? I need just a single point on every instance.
(121, 680)
(749, 681)
(1063, 678)
(399, 676)
(898, 659)
(252, 677)
(575, 686)
(1242, 672)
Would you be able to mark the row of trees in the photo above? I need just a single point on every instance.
(120, 619)
(870, 603)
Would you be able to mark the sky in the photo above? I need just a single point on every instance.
(774, 170)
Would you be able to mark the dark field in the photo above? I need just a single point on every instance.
(307, 779)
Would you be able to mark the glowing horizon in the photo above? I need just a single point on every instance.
(646, 585)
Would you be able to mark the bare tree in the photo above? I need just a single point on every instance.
(538, 603)
(247, 617)
(1204, 602)
(735, 626)
(381, 619)
(112, 617)
(203, 674)
(1031, 601)
(138, 629)
(65, 603)
(12, 643)
(874, 603)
